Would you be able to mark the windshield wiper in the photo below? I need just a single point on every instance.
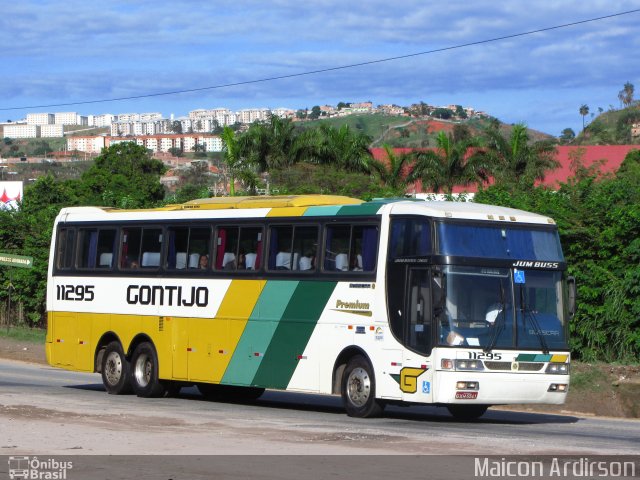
(534, 322)
(498, 328)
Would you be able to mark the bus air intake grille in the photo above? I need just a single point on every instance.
(497, 365)
(530, 367)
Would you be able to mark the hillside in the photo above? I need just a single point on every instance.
(409, 132)
(612, 127)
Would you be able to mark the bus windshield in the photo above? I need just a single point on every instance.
(485, 308)
(499, 241)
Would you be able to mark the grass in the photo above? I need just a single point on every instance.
(24, 334)
(587, 377)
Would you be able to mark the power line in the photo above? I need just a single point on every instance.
(329, 69)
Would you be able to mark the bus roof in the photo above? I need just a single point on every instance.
(309, 205)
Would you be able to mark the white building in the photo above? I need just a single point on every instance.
(139, 117)
(69, 118)
(250, 115)
(40, 118)
(104, 120)
(52, 131)
(21, 131)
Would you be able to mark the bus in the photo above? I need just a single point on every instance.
(399, 301)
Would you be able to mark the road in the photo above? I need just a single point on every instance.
(50, 411)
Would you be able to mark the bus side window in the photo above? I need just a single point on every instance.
(64, 248)
(351, 248)
(96, 247)
(130, 247)
(280, 245)
(250, 252)
(151, 246)
(305, 242)
(226, 248)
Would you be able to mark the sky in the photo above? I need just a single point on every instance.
(61, 52)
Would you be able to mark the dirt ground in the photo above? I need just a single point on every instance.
(596, 389)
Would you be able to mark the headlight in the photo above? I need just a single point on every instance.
(558, 368)
(469, 365)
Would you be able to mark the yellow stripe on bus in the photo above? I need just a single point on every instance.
(212, 342)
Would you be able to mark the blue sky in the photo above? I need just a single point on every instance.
(55, 51)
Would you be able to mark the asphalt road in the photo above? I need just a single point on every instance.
(47, 411)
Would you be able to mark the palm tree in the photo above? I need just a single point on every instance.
(341, 147)
(391, 172)
(514, 159)
(584, 111)
(272, 144)
(452, 163)
(232, 156)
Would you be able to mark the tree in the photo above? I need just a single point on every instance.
(452, 163)
(274, 144)
(341, 147)
(176, 126)
(176, 152)
(391, 172)
(514, 159)
(315, 112)
(443, 113)
(567, 135)
(626, 94)
(584, 111)
(232, 157)
(123, 175)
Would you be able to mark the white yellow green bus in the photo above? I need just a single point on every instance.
(455, 304)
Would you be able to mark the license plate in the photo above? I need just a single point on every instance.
(466, 395)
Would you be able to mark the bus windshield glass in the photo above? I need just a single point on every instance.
(486, 308)
(498, 241)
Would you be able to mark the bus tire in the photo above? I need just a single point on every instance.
(115, 370)
(467, 412)
(144, 372)
(359, 389)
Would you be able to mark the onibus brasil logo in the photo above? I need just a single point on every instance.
(36, 469)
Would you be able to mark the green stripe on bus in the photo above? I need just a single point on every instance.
(362, 209)
(292, 335)
(258, 332)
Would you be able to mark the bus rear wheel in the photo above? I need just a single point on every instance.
(467, 412)
(115, 370)
(359, 389)
(144, 375)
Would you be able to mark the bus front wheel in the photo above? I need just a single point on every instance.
(115, 370)
(359, 389)
(144, 375)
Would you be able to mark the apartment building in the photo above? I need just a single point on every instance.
(21, 131)
(89, 144)
(250, 115)
(70, 118)
(52, 131)
(40, 118)
(284, 112)
(103, 120)
(166, 142)
(138, 117)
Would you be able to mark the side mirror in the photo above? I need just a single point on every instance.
(573, 294)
